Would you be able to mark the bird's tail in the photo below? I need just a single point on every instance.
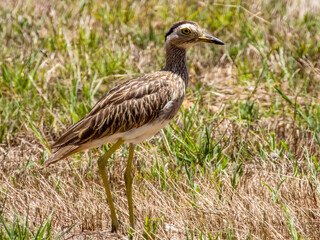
(61, 153)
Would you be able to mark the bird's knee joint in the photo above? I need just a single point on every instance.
(128, 178)
(101, 163)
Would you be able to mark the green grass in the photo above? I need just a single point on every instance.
(19, 228)
(239, 161)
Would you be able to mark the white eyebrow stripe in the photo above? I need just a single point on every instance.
(187, 25)
(192, 27)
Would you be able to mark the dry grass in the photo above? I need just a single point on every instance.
(259, 179)
(248, 208)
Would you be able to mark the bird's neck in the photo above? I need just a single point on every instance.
(176, 61)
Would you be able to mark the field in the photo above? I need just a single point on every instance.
(239, 161)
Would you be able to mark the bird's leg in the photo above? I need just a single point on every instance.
(128, 180)
(102, 162)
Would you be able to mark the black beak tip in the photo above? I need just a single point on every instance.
(218, 41)
(212, 39)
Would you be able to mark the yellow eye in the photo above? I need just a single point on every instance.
(186, 31)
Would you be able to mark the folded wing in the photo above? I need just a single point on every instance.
(129, 105)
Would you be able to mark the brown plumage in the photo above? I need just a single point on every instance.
(136, 109)
(130, 105)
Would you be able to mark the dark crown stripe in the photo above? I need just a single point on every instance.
(177, 24)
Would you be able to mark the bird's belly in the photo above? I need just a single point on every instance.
(145, 132)
(134, 136)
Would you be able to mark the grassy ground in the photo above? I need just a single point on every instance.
(239, 161)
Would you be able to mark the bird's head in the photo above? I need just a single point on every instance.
(186, 34)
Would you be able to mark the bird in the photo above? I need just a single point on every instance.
(135, 110)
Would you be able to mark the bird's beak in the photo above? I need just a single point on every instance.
(210, 39)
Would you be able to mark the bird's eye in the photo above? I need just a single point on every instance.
(186, 31)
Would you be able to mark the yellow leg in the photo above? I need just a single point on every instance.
(128, 180)
(102, 162)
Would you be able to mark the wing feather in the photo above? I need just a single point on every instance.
(130, 105)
